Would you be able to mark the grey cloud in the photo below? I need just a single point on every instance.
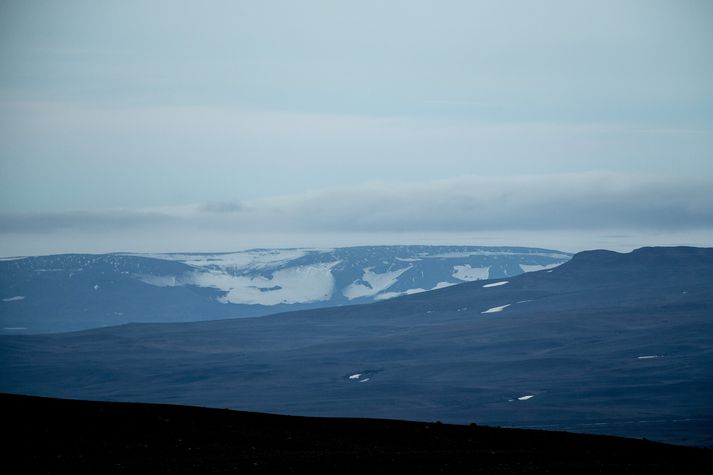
(583, 201)
(94, 221)
(224, 207)
(589, 201)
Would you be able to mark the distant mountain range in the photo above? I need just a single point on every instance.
(81, 291)
(604, 343)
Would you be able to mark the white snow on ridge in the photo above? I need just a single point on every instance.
(358, 378)
(391, 295)
(497, 309)
(378, 283)
(496, 284)
(161, 280)
(14, 299)
(270, 258)
(387, 295)
(493, 253)
(252, 259)
(469, 274)
(536, 267)
(443, 285)
(525, 398)
(407, 259)
(301, 284)
(648, 357)
(271, 276)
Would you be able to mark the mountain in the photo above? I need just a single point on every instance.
(80, 291)
(605, 343)
(74, 437)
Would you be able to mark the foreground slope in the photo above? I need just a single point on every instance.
(60, 436)
(72, 292)
(606, 343)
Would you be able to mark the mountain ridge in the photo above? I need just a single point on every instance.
(79, 291)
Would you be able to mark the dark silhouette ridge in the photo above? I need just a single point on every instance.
(70, 436)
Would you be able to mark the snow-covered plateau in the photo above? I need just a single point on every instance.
(78, 291)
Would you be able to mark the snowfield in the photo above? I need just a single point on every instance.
(14, 299)
(535, 268)
(496, 309)
(292, 285)
(297, 276)
(496, 284)
(467, 273)
(372, 283)
(390, 295)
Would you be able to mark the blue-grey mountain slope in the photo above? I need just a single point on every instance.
(605, 343)
(81, 291)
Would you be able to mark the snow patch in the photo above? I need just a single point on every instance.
(536, 267)
(525, 398)
(159, 280)
(360, 377)
(302, 284)
(14, 299)
(497, 309)
(443, 285)
(415, 291)
(648, 357)
(468, 274)
(377, 283)
(391, 295)
(496, 284)
(387, 295)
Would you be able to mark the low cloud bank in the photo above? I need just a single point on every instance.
(587, 201)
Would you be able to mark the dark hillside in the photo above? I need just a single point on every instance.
(63, 436)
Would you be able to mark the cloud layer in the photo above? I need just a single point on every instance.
(575, 202)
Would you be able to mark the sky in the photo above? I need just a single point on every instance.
(162, 126)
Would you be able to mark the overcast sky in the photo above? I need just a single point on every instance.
(167, 125)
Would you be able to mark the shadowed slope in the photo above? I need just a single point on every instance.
(61, 436)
